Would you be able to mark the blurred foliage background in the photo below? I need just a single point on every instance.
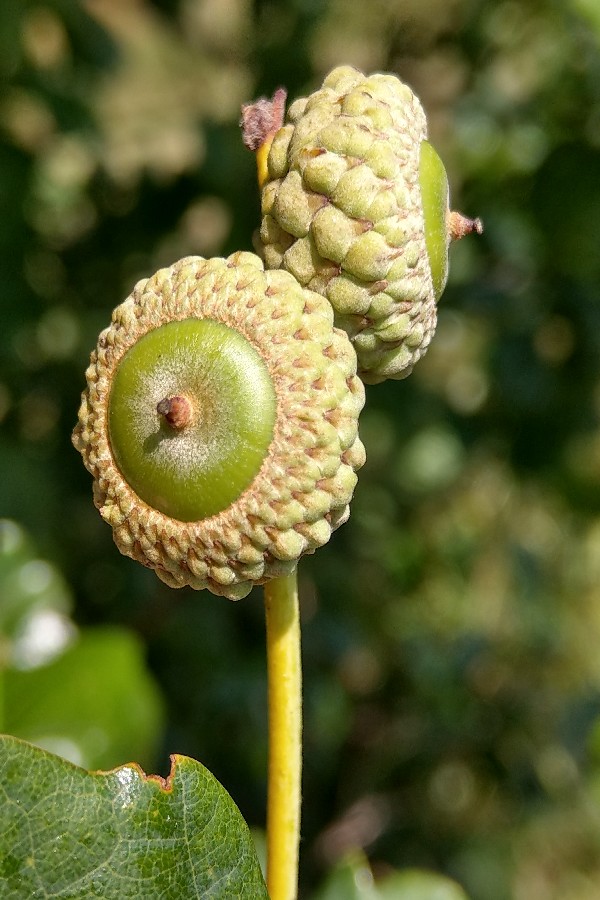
(452, 627)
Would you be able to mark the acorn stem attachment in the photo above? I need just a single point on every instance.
(459, 226)
(177, 411)
(260, 122)
(284, 676)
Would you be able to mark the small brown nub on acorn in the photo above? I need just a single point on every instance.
(459, 226)
(177, 411)
(261, 119)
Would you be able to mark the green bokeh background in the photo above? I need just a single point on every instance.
(452, 627)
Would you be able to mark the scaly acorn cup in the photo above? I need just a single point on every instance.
(220, 423)
(355, 206)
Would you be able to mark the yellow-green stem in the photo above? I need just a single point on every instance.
(285, 736)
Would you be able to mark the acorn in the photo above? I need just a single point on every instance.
(220, 423)
(355, 206)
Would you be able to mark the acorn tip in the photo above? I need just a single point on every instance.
(459, 226)
(177, 411)
(262, 118)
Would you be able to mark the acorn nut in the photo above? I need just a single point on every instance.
(220, 423)
(355, 206)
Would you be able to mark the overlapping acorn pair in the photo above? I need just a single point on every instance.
(220, 419)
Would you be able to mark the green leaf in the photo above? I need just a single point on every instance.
(121, 834)
(86, 695)
(352, 879)
(414, 884)
(29, 586)
(95, 704)
(590, 11)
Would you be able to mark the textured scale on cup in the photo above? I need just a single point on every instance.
(355, 205)
(220, 423)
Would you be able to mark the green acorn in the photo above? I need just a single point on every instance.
(355, 206)
(220, 423)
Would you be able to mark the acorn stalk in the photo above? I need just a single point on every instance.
(284, 670)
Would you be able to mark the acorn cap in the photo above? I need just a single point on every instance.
(355, 206)
(220, 423)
